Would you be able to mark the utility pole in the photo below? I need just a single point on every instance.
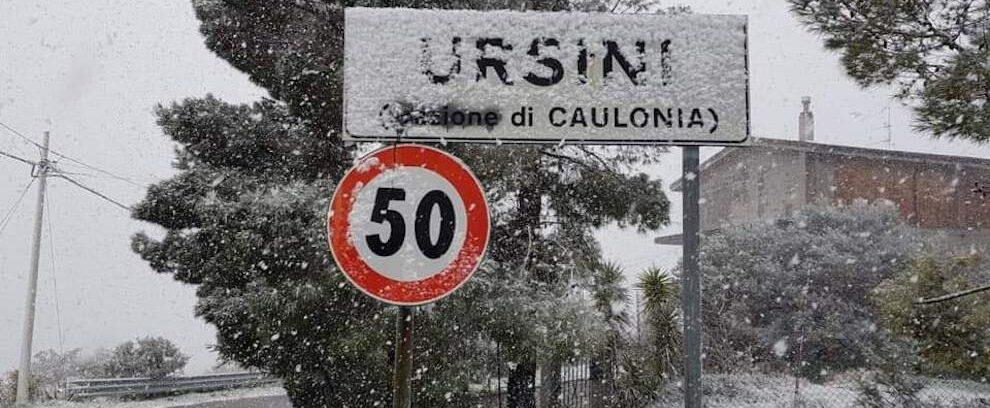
(24, 371)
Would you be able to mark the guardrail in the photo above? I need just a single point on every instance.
(122, 387)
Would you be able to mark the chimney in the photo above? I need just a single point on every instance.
(806, 122)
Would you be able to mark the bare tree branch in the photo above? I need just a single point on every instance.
(951, 296)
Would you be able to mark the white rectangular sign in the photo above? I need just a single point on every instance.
(541, 77)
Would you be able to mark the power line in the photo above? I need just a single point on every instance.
(63, 175)
(94, 192)
(72, 159)
(51, 254)
(18, 158)
(99, 170)
(14, 131)
(73, 173)
(15, 144)
(13, 208)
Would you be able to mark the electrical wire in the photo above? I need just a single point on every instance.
(18, 158)
(14, 131)
(13, 208)
(15, 145)
(51, 254)
(99, 170)
(70, 158)
(94, 192)
(73, 173)
(63, 176)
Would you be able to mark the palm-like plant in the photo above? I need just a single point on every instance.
(660, 296)
(610, 298)
(609, 295)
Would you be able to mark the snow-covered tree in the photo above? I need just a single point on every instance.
(552, 198)
(951, 337)
(936, 51)
(244, 221)
(154, 357)
(796, 291)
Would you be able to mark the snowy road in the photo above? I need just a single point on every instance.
(278, 401)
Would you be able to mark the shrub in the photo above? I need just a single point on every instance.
(647, 362)
(51, 368)
(951, 336)
(664, 332)
(793, 294)
(8, 388)
(154, 357)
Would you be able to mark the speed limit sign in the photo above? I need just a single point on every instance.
(408, 224)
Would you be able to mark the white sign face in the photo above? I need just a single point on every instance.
(503, 76)
(445, 224)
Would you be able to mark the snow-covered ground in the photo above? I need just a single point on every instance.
(167, 402)
(722, 391)
(764, 391)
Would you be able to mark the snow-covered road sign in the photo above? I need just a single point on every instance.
(408, 224)
(532, 77)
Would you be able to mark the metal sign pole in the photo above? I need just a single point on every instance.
(403, 358)
(691, 277)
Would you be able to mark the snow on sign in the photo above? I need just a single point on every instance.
(408, 224)
(540, 77)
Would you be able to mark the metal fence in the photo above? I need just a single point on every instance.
(751, 389)
(577, 389)
(137, 387)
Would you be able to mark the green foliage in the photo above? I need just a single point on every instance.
(951, 336)
(609, 298)
(658, 289)
(647, 363)
(794, 293)
(935, 51)
(609, 295)
(665, 337)
(154, 357)
(638, 382)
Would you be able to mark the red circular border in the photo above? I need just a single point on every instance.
(437, 286)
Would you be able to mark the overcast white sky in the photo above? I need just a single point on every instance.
(97, 68)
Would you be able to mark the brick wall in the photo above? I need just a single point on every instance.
(929, 195)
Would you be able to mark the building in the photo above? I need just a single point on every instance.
(773, 178)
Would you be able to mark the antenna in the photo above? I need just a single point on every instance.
(888, 136)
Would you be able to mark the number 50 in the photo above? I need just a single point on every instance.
(380, 213)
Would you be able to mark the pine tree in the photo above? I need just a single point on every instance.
(244, 221)
(936, 52)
